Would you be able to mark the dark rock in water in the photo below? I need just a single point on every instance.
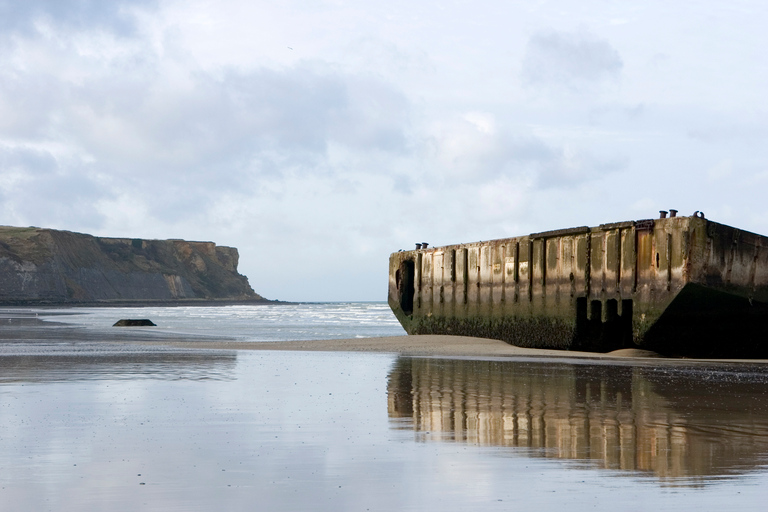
(134, 323)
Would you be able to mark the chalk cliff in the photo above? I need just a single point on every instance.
(47, 266)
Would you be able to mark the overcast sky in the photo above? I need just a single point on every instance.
(319, 136)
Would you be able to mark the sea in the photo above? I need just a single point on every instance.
(94, 418)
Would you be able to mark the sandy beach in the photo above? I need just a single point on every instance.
(415, 345)
(443, 346)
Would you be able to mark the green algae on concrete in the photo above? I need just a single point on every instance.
(677, 285)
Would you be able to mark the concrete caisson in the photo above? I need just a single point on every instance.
(677, 285)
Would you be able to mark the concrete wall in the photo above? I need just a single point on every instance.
(584, 288)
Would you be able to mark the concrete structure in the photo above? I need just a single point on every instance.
(676, 285)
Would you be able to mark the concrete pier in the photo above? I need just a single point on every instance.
(675, 285)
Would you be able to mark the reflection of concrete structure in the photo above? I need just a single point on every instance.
(670, 421)
(675, 285)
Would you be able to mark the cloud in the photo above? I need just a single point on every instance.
(721, 171)
(154, 122)
(479, 148)
(25, 17)
(40, 184)
(381, 127)
(719, 129)
(572, 61)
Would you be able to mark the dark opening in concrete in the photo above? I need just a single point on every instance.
(600, 327)
(582, 322)
(596, 312)
(627, 310)
(404, 278)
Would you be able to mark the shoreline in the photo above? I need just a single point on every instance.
(442, 346)
(136, 303)
(17, 325)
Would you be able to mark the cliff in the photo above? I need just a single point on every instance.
(47, 266)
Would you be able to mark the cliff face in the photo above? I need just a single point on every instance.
(49, 266)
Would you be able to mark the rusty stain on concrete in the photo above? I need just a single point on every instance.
(682, 286)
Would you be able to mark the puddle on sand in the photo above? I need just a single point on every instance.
(82, 362)
(685, 424)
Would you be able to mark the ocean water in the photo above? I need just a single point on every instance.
(267, 322)
(90, 331)
(90, 420)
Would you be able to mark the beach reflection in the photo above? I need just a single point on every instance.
(674, 421)
(126, 364)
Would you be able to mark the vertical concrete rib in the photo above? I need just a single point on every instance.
(588, 266)
(618, 260)
(465, 272)
(419, 263)
(504, 273)
(634, 252)
(669, 260)
(517, 271)
(530, 270)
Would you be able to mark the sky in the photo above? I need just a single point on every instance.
(319, 137)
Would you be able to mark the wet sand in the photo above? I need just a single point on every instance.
(103, 418)
(443, 346)
(415, 345)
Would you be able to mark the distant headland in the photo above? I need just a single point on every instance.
(41, 266)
